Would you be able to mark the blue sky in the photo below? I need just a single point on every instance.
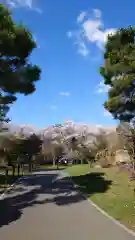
(70, 36)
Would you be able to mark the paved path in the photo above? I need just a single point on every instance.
(37, 209)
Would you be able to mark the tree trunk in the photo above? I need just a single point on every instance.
(134, 164)
(22, 169)
(6, 172)
(18, 169)
(6, 177)
(133, 155)
(53, 161)
(90, 163)
(30, 164)
(13, 170)
(30, 167)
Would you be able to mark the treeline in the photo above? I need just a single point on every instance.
(17, 151)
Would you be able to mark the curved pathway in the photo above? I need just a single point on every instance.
(46, 206)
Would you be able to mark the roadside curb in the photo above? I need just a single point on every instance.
(129, 231)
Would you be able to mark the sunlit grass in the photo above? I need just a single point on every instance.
(118, 198)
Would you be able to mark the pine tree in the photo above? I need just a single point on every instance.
(17, 73)
(119, 73)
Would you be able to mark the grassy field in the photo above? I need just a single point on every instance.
(109, 189)
(51, 167)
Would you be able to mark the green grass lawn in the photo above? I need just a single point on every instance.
(109, 189)
(51, 167)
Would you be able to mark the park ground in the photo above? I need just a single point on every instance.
(108, 188)
(47, 205)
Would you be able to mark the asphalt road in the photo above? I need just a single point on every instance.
(37, 209)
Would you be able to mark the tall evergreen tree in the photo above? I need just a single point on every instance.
(17, 73)
(118, 72)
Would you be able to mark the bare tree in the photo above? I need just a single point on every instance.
(101, 142)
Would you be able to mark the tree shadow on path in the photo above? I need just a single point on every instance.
(66, 191)
(6, 181)
(14, 202)
(39, 190)
(92, 183)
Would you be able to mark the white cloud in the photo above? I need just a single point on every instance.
(107, 114)
(97, 12)
(23, 3)
(82, 48)
(78, 41)
(90, 31)
(81, 17)
(102, 88)
(66, 94)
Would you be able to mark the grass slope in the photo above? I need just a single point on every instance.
(109, 189)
